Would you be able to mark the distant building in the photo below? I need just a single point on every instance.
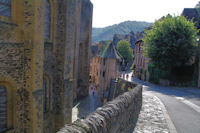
(192, 13)
(105, 65)
(141, 62)
(131, 38)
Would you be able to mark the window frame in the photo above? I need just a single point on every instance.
(11, 103)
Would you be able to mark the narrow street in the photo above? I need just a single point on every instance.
(85, 106)
(182, 105)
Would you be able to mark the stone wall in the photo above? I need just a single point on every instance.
(123, 86)
(117, 116)
(27, 57)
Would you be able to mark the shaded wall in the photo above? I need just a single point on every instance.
(85, 43)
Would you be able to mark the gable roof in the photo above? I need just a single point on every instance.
(192, 13)
(109, 51)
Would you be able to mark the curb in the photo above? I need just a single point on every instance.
(170, 124)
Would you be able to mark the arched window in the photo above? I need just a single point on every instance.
(47, 20)
(3, 108)
(46, 94)
(5, 8)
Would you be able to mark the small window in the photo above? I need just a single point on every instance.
(104, 74)
(46, 95)
(47, 20)
(5, 8)
(3, 108)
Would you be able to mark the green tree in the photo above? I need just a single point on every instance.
(125, 50)
(171, 42)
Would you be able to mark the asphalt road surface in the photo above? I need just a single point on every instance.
(182, 104)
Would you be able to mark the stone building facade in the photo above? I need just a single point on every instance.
(105, 66)
(141, 62)
(42, 43)
(194, 14)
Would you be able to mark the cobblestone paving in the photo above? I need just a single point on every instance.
(151, 118)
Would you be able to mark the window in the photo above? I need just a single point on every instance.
(3, 108)
(46, 95)
(5, 8)
(104, 74)
(47, 20)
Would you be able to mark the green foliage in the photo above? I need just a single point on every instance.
(125, 50)
(132, 66)
(156, 74)
(107, 33)
(171, 42)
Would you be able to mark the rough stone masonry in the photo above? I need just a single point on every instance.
(117, 116)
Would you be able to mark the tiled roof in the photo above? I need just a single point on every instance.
(109, 51)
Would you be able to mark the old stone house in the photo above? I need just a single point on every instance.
(105, 66)
(194, 14)
(44, 52)
(141, 62)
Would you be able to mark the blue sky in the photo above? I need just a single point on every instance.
(109, 12)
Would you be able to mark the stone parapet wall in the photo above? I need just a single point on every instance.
(123, 86)
(117, 116)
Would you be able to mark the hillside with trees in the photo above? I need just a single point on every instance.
(107, 33)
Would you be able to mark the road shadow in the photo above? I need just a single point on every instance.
(170, 90)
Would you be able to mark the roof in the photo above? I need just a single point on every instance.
(139, 41)
(94, 50)
(109, 51)
(192, 13)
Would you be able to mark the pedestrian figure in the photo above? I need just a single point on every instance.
(93, 92)
(132, 77)
(127, 76)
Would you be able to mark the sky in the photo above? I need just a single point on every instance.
(109, 12)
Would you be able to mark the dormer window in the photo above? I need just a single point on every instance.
(5, 8)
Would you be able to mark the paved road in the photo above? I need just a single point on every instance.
(152, 118)
(182, 104)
